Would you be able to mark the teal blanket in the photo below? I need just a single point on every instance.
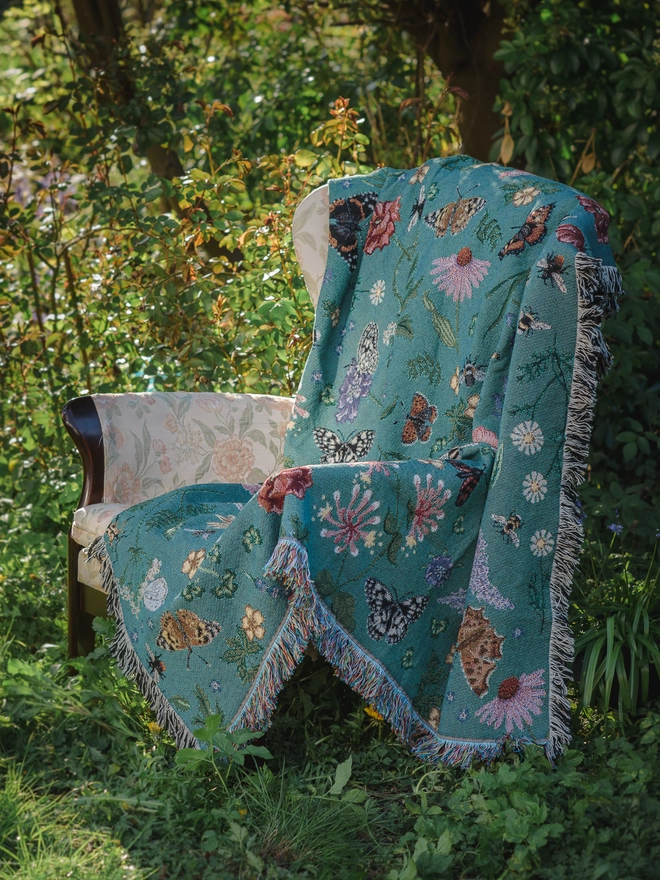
(425, 531)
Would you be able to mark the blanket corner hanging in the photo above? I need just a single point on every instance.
(425, 531)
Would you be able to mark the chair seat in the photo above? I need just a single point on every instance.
(88, 523)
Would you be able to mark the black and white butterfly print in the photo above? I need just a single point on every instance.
(345, 216)
(470, 477)
(455, 216)
(390, 618)
(366, 360)
(417, 208)
(337, 450)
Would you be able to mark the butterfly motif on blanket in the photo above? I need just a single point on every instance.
(345, 216)
(339, 451)
(390, 618)
(419, 420)
(357, 382)
(530, 233)
(417, 208)
(479, 646)
(470, 477)
(184, 630)
(455, 216)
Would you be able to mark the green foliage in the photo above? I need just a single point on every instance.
(616, 609)
(230, 747)
(518, 820)
(602, 137)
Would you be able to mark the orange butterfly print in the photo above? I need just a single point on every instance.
(531, 232)
(479, 647)
(185, 630)
(419, 420)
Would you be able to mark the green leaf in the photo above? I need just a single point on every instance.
(342, 775)
(391, 524)
(440, 324)
(394, 547)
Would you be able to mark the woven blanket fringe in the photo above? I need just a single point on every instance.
(308, 620)
(130, 664)
(598, 288)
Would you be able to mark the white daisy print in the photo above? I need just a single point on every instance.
(542, 543)
(527, 437)
(525, 196)
(535, 486)
(377, 293)
(388, 333)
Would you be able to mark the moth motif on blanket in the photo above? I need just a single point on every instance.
(424, 533)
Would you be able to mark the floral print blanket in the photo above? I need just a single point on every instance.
(424, 532)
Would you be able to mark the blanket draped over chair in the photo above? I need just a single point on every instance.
(426, 529)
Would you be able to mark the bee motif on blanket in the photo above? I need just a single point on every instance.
(508, 527)
(551, 268)
(529, 322)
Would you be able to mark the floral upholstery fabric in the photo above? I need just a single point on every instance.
(424, 531)
(158, 441)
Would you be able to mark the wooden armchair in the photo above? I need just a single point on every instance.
(137, 446)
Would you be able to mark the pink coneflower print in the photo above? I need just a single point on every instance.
(516, 701)
(351, 521)
(429, 510)
(459, 273)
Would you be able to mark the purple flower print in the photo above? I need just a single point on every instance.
(355, 386)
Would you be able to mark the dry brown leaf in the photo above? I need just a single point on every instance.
(506, 150)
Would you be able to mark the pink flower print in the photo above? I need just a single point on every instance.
(516, 701)
(428, 511)
(459, 273)
(351, 521)
(376, 467)
(124, 486)
(158, 447)
(171, 424)
(483, 435)
(233, 458)
(381, 227)
(115, 437)
(165, 465)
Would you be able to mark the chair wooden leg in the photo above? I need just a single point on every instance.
(73, 598)
(81, 632)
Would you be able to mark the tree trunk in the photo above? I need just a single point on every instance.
(461, 37)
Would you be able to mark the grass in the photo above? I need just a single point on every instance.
(91, 787)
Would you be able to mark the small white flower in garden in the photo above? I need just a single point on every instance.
(535, 486)
(525, 196)
(527, 437)
(542, 543)
(388, 333)
(377, 293)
